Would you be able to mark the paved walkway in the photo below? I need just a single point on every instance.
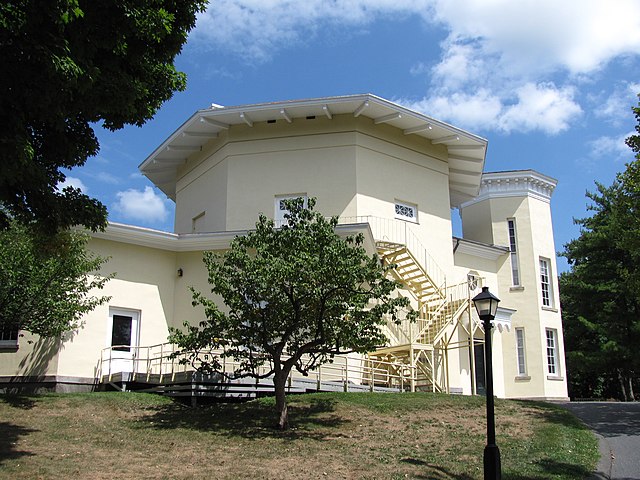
(617, 426)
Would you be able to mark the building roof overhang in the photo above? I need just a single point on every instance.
(466, 151)
(200, 242)
(478, 249)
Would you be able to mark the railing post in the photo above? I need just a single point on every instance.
(161, 357)
(344, 379)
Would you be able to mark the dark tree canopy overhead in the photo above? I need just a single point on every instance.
(68, 64)
(295, 297)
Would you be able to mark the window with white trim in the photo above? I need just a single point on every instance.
(406, 211)
(545, 283)
(513, 248)
(553, 367)
(9, 336)
(197, 223)
(281, 209)
(520, 352)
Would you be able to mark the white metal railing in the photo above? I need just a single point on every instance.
(158, 361)
(401, 232)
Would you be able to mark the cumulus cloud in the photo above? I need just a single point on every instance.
(495, 63)
(612, 148)
(541, 107)
(615, 108)
(255, 29)
(73, 182)
(143, 205)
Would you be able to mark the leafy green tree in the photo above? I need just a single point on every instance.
(45, 281)
(67, 65)
(295, 296)
(600, 295)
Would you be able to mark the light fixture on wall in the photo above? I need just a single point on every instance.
(487, 305)
(180, 272)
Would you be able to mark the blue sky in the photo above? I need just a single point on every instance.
(550, 84)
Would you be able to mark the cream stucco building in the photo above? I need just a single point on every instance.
(391, 173)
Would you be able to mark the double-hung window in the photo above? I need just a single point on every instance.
(553, 367)
(520, 352)
(513, 249)
(545, 283)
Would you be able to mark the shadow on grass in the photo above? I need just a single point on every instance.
(435, 472)
(254, 420)
(23, 402)
(9, 436)
(552, 469)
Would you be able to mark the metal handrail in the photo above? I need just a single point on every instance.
(159, 360)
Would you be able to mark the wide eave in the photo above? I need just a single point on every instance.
(466, 151)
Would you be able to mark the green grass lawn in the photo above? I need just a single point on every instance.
(336, 435)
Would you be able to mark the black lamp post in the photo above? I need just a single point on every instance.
(486, 305)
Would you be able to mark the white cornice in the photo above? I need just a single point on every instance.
(519, 183)
(477, 249)
(467, 151)
(198, 242)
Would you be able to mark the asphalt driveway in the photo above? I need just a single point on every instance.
(617, 425)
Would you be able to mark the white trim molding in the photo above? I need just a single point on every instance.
(516, 183)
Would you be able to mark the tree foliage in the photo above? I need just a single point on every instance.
(69, 64)
(600, 295)
(45, 282)
(295, 296)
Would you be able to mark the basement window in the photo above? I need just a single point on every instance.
(9, 337)
(271, 121)
(406, 211)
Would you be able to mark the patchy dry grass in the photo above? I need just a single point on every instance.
(355, 436)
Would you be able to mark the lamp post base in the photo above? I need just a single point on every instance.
(492, 467)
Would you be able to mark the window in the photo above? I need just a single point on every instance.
(9, 336)
(552, 352)
(406, 211)
(520, 352)
(281, 209)
(545, 283)
(197, 223)
(515, 271)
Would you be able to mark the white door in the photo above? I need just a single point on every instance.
(123, 340)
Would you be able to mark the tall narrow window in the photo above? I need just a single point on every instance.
(520, 352)
(281, 209)
(545, 283)
(552, 352)
(513, 248)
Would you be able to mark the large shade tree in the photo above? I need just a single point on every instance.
(295, 297)
(600, 295)
(47, 283)
(67, 65)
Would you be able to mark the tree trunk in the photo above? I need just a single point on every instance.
(280, 383)
(632, 396)
(622, 386)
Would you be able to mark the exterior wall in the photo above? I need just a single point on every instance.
(37, 359)
(534, 240)
(144, 282)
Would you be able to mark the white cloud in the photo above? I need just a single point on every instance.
(141, 205)
(72, 182)
(255, 29)
(539, 35)
(612, 148)
(541, 107)
(616, 107)
(478, 110)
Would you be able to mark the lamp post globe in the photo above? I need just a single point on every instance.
(487, 305)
